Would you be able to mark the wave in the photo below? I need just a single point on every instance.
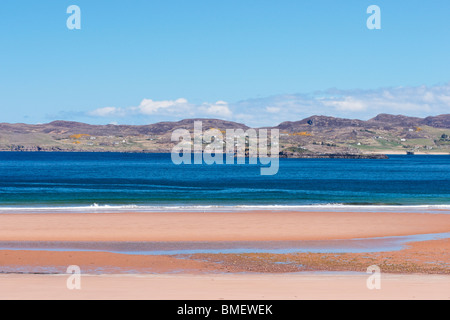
(220, 208)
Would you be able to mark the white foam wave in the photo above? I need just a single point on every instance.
(221, 208)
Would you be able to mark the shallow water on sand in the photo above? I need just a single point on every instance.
(380, 244)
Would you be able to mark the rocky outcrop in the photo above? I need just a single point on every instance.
(284, 154)
(34, 148)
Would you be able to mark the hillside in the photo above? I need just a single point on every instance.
(313, 136)
(385, 133)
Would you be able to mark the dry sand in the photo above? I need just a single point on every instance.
(213, 226)
(228, 287)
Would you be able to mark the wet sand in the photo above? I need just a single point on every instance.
(425, 257)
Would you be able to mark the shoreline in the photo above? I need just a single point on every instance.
(372, 155)
(129, 209)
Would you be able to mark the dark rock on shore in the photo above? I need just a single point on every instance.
(294, 155)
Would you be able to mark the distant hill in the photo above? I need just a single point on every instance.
(380, 121)
(70, 127)
(318, 122)
(316, 135)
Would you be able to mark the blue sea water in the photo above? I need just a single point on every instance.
(126, 180)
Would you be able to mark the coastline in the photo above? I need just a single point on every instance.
(282, 154)
(376, 155)
(109, 209)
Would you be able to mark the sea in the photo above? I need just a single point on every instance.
(86, 182)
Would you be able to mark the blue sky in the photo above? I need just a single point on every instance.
(254, 61)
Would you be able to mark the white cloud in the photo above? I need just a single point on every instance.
(348, 104)
(273, 109)
(180, 108)
(149, 107)
(219, 109)
(429, 97)
(106, 112)
(418, 101)
(421, 101)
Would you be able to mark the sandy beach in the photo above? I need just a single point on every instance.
(421, 269)
(217, 226)
(226, 287)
